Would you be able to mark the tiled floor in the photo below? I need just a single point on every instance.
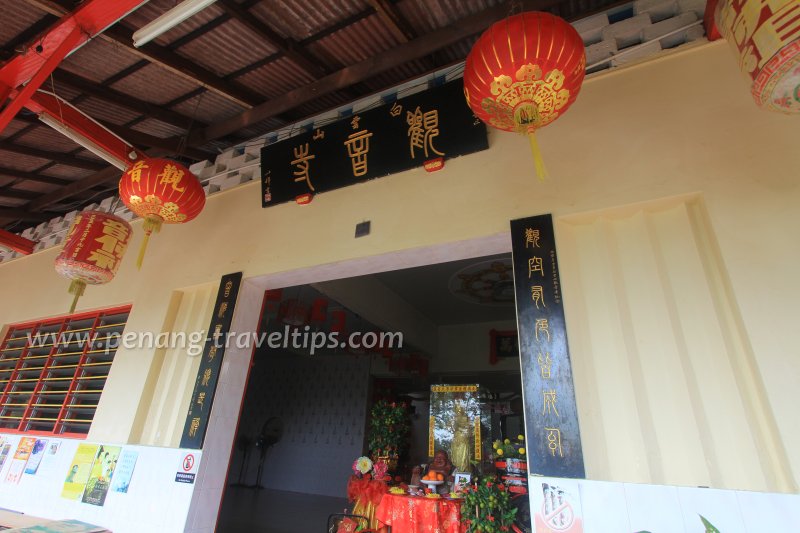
(270, 511)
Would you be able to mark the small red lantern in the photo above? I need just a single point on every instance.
(93, 251)
(766, 38)
(524, 72)
(162, 192)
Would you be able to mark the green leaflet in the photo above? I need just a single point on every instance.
(709, 526)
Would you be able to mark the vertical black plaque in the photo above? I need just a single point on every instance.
(205, 385)
(551, 415)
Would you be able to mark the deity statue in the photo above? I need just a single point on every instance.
(462, 440)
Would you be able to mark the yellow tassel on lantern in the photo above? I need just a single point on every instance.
(76, 288)
(538, 162)
(527, 118)
(151, 224)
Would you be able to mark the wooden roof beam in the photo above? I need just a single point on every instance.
(22, 214)
(57, 157)
(172, 61)
(288, 47)
(345, 77)
(171, 145)
(166, 58)
(6, 192)
(415, 49)
(103, 92)
(394, 20)
(76, 187)
(32, 176)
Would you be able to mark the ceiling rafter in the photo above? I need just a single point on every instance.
(102, 177)
(336, 81)
(287, 47)
(106, 93)
(345, 77)
(32, 176)
(399, 26)
(394, 20)
(22, 214)
(418, 48)
(176, 63)
(171, 145)
(8, 192)
(164, 57)
(59, 157)
(21, 40)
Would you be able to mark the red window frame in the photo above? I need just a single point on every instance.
(53, 388)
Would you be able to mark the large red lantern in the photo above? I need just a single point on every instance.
(93, 251)
(766, 38)
(162, 192)
(524, 72)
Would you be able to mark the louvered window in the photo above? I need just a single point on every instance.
(53, 371)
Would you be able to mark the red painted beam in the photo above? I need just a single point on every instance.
(91, 17)
(71, 117)
(16, 243)
(21, 97)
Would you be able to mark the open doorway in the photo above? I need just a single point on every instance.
(306, 411)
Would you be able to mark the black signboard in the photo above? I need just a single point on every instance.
(423, 129)
(551, 415)
(205, 385)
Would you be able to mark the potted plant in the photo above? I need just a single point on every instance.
(487, 507)
(388, 432)
(511, 463)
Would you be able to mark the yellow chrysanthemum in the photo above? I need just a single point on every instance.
(507, 441)
(522, 451)
(500, 451)
(520, 437)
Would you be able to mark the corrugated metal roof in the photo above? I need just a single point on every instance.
(215, 69)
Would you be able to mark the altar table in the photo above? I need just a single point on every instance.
(418, 514)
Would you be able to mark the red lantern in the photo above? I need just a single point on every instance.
(766, 38)
(162, 192)
(524, 72)
(93, 251)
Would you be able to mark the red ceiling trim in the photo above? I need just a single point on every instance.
(24, 73)
(21, 98)
(92, 18)
(77, 121)
(16, 243)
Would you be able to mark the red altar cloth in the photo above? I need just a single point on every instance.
(415, 514)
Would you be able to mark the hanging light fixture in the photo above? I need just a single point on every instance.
(66, 131)
(168, 20)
